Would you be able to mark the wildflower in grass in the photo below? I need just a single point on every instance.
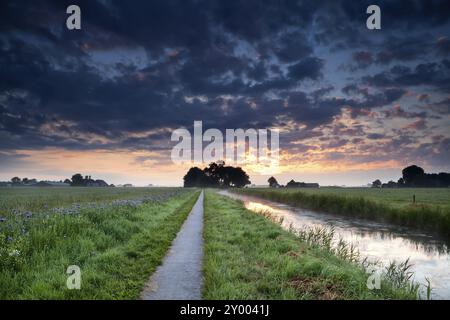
(3, 219)
(27, 214)
(14, 253)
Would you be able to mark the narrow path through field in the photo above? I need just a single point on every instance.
(180, 275)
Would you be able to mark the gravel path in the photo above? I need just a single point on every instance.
(180, 276)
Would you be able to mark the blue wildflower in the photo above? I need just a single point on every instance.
(27, 214)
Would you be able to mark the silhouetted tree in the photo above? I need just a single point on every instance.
(444, 179)
(16, 180)
(195, 177)
(237, 177)
(413, 175)
(273, 183)
(77, 180)
(390, 184)
(376, 184)
(216, 175)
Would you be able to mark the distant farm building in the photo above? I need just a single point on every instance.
(96, 183)
(294, 184)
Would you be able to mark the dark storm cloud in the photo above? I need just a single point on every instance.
(396, 48)
(12, 160)
(375, 136)
(314, 110)
(383, 97)
(398, 111)
(228, 63)
(435, 74)
(363, 58)
(443, 45)
(308, 68)
(66, 88)
(436, 153)
(441, 107)
(341, 24)
(293, 46)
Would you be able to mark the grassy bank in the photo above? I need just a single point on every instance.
(247, 256)
(369, 204)
(117, 245)
(396, 197)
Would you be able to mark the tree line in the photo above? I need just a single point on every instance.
(87, 181)
(414, 176)
(77, 181)
(216, 175)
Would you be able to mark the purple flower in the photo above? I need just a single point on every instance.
(27, 214)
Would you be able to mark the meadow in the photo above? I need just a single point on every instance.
(116, 236)
(37, 199)
(119, 236)
(430, 211)
(249, 256)
(396, 197)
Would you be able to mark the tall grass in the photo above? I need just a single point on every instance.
(248, 256)
(41, 199)
(421, 216)
(396, 274)
(117, 246)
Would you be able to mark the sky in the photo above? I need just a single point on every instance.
(351, 104)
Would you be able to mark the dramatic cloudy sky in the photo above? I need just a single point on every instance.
(351, 104)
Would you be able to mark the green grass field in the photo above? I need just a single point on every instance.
(116, 243)
(431, 211)
(396, 197)
(36, 199)
(247, 256)
(119, 236)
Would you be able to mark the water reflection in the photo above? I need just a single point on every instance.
(429, 254)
